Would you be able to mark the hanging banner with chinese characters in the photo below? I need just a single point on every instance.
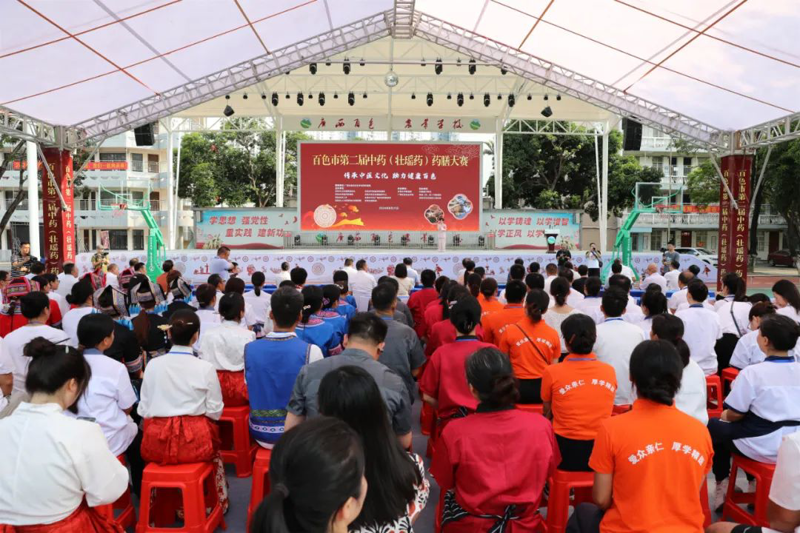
(253, 229)
(91, 165)
(434, 123)
(526, 230)
(734, 224)
(389, 186)
(59, 224)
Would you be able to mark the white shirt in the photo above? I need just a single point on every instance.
(785, 489)
(654, 279)
(224, 345)
(592, 261)
(66, 281)
(633, 313)
(106, 398)
(554, 320)
(691, 397)
(747, 351)
(51, 463)
(678, 298)
(647, 326)
(63, 306)
(627, 272)
(672, 280)
(413, 274)
(209, 319)
(351, 271)
(178, 384)
(283, 275)
(789, 311)
(741, 312)
(701, 330)
(706, 305)
(770, 390)
(16, 342)
(361, 284)
(590, 305)
(69, 323)
(220, 266)
(111, 279)
(616, 340)
(260, 307)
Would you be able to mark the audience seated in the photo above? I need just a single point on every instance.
(82, 300)
(435, 309)
(331, 295)
(701, 328)
(747, 351)
(787, 299)
(733, 311)
(495, 324)
(654, 303)
(403, 313)
(590, 305)
(488, 297)
(443, 332)
(559, 307)
(405, 282)
(148, 324)
(418, 301)
(312, 328)
(347, 304)
(257, 301)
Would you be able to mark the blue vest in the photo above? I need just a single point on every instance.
(320, 333)
(271, 366)
(346, 309)
(339, 323)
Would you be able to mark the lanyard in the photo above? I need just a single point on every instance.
(779, 359)
(613, 319)
(467, 338)
(696, 306)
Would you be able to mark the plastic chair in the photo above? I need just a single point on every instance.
(531, 407)
(127, 517)
(729, 376)
(198, 490)
(260, 486)
(762, 473)
(714, 396)
(558, 504)
(621, 409)
(237, 446)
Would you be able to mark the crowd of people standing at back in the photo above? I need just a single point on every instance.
(330, 374)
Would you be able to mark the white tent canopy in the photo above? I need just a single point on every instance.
(83, 69)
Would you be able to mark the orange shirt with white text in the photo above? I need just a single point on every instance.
(530, 360)
(496, 323)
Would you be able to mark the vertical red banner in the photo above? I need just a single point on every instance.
(734, 224)
(59, 224)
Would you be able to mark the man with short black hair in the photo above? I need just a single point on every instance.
(222, 265)
(534, 280)
(298, 275)
(413, 274)
(494, 324)
(348, 267)
(551, 273)
(671, 277)
(283, 274)
(364, 342)
(67, 278)
(678, 299)
(701, 327)
(37, 269)
(580, 283)
(516, 272)
(534, 268)
(403, 352)
(591, 303)
(21, 262)
(403, 313)
(633, 313)
(361, 284)
(616, 340)
(419, 300)
(669, 256)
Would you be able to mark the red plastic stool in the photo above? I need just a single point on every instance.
(558, 503)
(260, 486)
(127, 517)
(729, 376)
(237, 447)
(762, 473)
(531, 407)
(198, 489)
(714, 396)
(704, 503)
(621, 409)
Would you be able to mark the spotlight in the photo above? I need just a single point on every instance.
(263, 96)
(487, 100)
(351, 99)
(460, 99)
(449, 96)
(413, 96)
(546, 98)
(228, 112)
(530, 97)
(458, 62)
(287, 96)
(312, 68)
(346, 66)
(275, 99)
(422, 63)
(473, 67)
(300, 99)
(558, 97)
(471, 96)
(429, 99)
(503, 71)
(547, 112)
(335, 96)
(244, 96)
(499, 96)
(511, 100)
(321, 99)
(362, 62)
(328, 63)
(364, 96)
(227, 97)
(437, 68)
(310, 96)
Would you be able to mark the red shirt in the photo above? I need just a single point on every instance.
(433, 314)
(444, 332)
(445, 376)
(55, 314)
(494, 459)
(417, 304)
(9, 323)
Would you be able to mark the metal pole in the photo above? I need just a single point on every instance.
(178, 183)
(761, 177)
(170, 187)
(279, 163)
(498, 165)
(33, 192)
(604, 180)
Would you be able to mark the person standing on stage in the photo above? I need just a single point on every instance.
(441, 227)
(21, 262)
(100, 259)
(593, 260)
(221, 264)
(563, 254)
(669, 256)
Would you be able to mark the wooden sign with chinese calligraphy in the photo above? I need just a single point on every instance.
(734, 224)
(59, 225)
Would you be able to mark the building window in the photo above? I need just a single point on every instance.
(152, 163)
(687, 165)
(655, 240)
(138, 239)
(700, 239)
(118, 239)
(138, 162)
(761, 240)
(112, 156)
(712, 243)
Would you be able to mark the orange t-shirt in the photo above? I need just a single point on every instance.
(495, 324)
(162, 282)
(581, 394)
(528, 363)
(659, 458)
(489, 306)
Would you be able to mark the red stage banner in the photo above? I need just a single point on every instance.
(389, 186)
(734, 224)
(59, 225)
(91, 165)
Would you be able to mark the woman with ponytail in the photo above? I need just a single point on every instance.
(733, 312)
(559, 308)
(443, 332)
(258, 301)
(651, 462)
(312, 328)
(317, 482)
(532, 346)
(331, 295)
(56, 469)
(442, 383)
(81, 298)
(434, 311)
(492, 465)
(488, 297)
(692, 396)
(787, 299)
(147, 325)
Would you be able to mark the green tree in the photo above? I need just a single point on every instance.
(702, 184)
(781, 178)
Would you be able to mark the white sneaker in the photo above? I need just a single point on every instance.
(719, 495)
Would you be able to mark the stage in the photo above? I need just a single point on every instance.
(322, 263)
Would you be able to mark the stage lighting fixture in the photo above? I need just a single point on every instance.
(346, 66)
(312, 68)
(351, 99)
(471, 96)
(530, 97)
(511, 100)
(364, 96)
(263, 96)
(310, 96)
(287, 96)
(328, 63)
(228, 112)
(437, 68)
(499, 96)
(335, 96)
(422, 63)
(244, 96)
(362, 63)
(300, 99)
(458, 62)
(321, 99)
(503, 71)
(547, 112)
(546, 97)
(449, 96)
(473, 67)
(429, 99)
(275, 99)
(487, 100)
(227, 97)
(413, 96)
(558, 97)
(460, 99)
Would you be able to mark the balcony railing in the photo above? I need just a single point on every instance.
(698, 219)
(91, 205)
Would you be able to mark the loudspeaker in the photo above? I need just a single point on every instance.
(145, 135)
(632, 134)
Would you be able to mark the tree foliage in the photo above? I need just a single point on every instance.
(780, 185)
(702, 184)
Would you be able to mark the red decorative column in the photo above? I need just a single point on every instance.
(59, 225)
(734, 224)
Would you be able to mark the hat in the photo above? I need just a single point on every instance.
(19, 287)
(180, 288)
(113, 301)
(146, 291)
